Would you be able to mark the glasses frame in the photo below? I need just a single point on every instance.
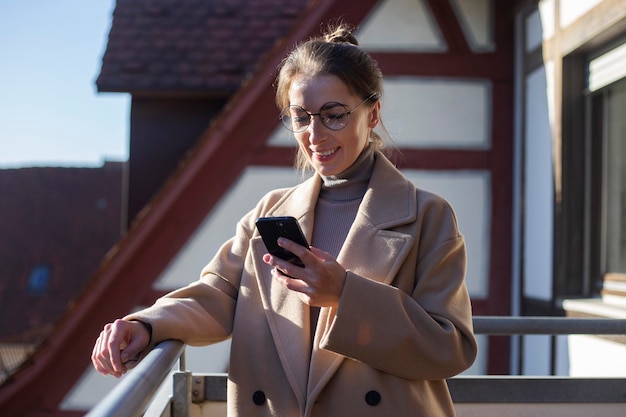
(287, 123)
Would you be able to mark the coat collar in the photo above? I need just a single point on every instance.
(387, 184)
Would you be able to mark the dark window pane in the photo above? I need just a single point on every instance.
(39, 280)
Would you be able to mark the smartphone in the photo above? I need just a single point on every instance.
(271, 228)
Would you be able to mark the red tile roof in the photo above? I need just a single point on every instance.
(191, 46)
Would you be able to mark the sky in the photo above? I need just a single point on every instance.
(50, 111)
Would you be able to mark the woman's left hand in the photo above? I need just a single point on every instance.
(319, 283)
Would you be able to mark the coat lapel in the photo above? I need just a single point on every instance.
(287, 316)
(288, 321)
(390, 201)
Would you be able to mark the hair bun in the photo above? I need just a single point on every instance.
(341, 34)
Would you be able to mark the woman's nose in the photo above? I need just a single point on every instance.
(315, 129)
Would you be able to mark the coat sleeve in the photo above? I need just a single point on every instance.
(202, 312)
(423, 334)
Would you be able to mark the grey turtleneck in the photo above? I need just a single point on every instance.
(338, 203)
(336, 209)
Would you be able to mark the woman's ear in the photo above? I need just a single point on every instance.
(374, 115)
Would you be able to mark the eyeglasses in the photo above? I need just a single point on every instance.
(334, 116)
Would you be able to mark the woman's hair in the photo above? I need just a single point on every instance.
(335, 52)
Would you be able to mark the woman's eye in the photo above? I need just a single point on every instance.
(300, 121)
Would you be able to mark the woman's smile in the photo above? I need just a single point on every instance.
(324, 155)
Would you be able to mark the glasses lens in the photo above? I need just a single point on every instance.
(334, 116)
(295, 118)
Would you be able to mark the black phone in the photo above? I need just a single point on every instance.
(271, 228)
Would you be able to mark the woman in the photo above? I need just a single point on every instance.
(378, 317)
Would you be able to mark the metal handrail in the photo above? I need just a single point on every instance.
(505, 325)
(132, 394)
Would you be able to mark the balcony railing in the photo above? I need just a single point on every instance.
(135, 395)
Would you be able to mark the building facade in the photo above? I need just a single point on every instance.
(514, 111)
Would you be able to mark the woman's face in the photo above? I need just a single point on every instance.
(331, 152)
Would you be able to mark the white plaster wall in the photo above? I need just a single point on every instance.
(538, 189)
(592, 356)
(536, 355)
(400, 25)
(437, 113)
(476, 18)
(570, 10)
(536, 350)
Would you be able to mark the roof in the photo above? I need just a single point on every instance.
(60, 222)
(191, 46)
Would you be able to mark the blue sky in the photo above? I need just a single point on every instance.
(50, 111)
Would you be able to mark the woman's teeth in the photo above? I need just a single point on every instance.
(326, 153)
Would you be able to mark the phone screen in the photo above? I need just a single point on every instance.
(271, 228)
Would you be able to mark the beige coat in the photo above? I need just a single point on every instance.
(403, 323)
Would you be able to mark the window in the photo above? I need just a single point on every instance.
(609, 132)
(606, 218)
(39, 280)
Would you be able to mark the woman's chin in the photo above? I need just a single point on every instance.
(327, 165)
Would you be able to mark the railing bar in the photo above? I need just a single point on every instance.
(495, 325)
(132, 394)
(160, 406)
(561, 390)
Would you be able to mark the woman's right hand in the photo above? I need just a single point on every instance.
(118, 344)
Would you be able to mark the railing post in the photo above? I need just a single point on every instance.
(181, 404)
(181, 391)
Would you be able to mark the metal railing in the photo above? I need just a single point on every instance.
(134, 392)
(131, 396)
(491, 325)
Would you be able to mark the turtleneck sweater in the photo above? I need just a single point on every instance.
(338, 203)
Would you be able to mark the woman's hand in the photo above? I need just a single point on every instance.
(119, 343)
(318, 284)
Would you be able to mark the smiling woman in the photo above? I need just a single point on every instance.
(374, 317)
(49, 112)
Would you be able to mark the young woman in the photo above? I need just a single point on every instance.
(379, 315)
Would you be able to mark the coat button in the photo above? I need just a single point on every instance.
(258, 397)
(372, 398)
